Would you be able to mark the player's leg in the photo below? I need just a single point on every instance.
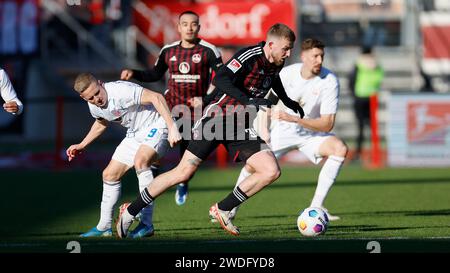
(181, 173)
(181, 192)
(336, 151)
(247, 170)
(111, 194)
(266, 170)
(144, 158)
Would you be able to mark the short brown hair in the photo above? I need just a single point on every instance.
(83, 81)
(311, 43)
(188, 12)
(281, 31)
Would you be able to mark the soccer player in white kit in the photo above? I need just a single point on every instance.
(317, 90)
(12, 103)
(150, 130)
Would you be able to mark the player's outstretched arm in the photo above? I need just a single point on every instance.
(278, 88)
(150, 75)
(158, 101)
(12, 103)
(97, 129)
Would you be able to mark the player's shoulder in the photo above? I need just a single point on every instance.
(328, 75)
(210, 46)
(171, 45)
(249, 53)
(117, 88)
(292, 68)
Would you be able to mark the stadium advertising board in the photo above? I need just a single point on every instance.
(418, 132)
(222, 22)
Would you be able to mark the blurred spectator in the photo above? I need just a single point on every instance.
(427, 85)
(100, 26)
(365, 81)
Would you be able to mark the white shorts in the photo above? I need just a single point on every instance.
(282, 142)
(153, 137)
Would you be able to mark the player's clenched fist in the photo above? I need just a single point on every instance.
(11, 107)
(174, 135)
(73, 151)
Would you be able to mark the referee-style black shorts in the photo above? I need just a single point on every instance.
(240, 142)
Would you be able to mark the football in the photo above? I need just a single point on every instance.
(312, 222)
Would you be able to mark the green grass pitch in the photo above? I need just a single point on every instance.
(405, 210)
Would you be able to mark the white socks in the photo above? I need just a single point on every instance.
(327, 176)
(244, 174)
(111, 194)
(145, 177)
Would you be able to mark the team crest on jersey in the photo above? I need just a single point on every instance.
(184, 67)
(116, 113)
(267, 81)
(196, 58)
(234, 65)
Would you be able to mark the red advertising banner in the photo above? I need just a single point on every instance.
(222, 22)
(436, 42)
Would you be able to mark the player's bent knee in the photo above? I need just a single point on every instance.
(108, 175)
(272, 173)
(141, 164)
(341, 149)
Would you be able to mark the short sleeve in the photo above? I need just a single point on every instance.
(330, 99)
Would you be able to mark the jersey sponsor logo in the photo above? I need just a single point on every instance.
(185, 78)
(116, 113)
(173, 59)
(184, 67)
(267, 81)
(234, 65)
(196, 58)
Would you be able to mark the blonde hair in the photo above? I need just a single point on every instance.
(83, 81)
(281, 31)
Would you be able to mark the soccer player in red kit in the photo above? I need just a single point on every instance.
(190, 62)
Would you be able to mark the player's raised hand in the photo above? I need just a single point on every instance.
(174, 135)
(126, 74)
(11, 107)
(73, 151)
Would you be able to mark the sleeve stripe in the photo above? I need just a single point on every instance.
(210, 46)
(249, 53)
(169, 45)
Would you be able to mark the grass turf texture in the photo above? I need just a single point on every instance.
(406, 210)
